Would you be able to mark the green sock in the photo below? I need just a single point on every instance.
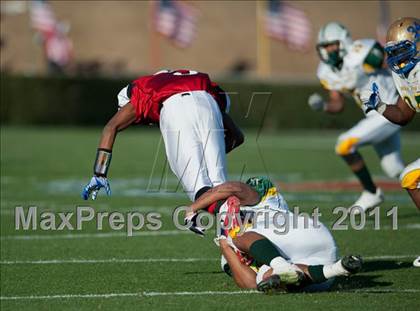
(317, 273)
(365, 179)
(363, 173)
(263, 251)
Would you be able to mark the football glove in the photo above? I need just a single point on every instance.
(228, 239)
(371, 99)
(93, 187)
(316, 102)
(243, 257)
(191, 223)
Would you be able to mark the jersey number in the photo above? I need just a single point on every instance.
(178, 72)
(184, 72)
(408, 100)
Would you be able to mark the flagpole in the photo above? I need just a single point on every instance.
(154, 41)
(263, 42)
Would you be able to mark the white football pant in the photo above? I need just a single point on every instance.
(410, 177)
(297, 243)
(192, 129)
(383, 135)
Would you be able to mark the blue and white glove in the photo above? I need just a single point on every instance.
(371, 99)
(93, 187)
(316, 102)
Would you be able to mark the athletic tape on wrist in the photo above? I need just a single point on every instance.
(102, 161)
(381, 107)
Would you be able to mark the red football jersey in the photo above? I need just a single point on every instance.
(149, 92)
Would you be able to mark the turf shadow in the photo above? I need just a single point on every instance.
(358, 282)
(383, 265)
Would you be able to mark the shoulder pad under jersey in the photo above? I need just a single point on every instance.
(358, 52)
(326, 76)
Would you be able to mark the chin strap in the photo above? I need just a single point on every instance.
(102, 161)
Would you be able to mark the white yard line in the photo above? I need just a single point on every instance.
(152, 260)
(202, 293)
(164, 210)
(139, 294)
(95, 261)
(409, 226)
(94, 235)
(9, 209)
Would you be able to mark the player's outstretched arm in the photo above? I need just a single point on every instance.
(335, 104)
(243, 275)
(400, 113)
(121, 120)
(233, 135)
(243, 192)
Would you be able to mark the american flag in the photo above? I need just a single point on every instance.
(58, 49)
(176, 21)
(289, 24)
(57, 46)
(42, 17)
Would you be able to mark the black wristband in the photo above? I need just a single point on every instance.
(102, 162)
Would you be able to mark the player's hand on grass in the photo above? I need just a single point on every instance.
(224, 244)
(223, 241)
(220, 240)
(370, 98)
(93, 187)
(316, 102)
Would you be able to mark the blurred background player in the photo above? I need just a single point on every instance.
(275, 251)
(347, 67)
(191, 111)
(403, 55)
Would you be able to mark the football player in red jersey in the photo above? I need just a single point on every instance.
(192, 112)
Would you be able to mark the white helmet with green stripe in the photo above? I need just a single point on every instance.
(330, 34)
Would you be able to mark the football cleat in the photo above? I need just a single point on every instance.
(289, 273)
(352, 264)
(277, 283)
(284, 274)
(416, 262)
(271, 285)
(367, 200)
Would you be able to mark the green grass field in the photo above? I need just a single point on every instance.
(175, 270)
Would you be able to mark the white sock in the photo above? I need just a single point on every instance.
(335, 269)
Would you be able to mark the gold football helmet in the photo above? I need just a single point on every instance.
(403, 44)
